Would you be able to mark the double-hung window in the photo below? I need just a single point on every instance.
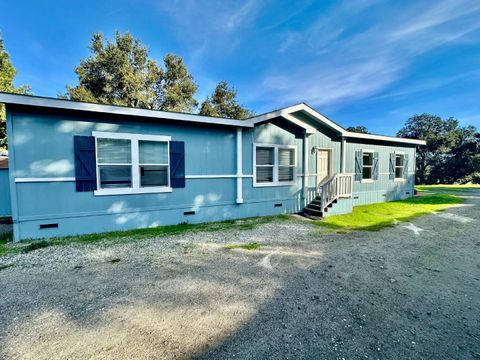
(399, 166)
(114, 163)
(367, 165)
(274, 165)
(132, 163)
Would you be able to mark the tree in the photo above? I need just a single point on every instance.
(121, 73)
(223, 103)
(176, 88)
(450, 151)
(463, 163)
(7, 75)
(358, 129)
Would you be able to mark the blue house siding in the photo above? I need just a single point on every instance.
(44, 149)
(383, 189)
(42, 171)
(289, 195)
(5, 201)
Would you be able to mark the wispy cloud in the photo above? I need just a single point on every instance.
(215, 23)
(341, 63)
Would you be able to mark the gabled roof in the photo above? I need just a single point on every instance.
(288, 113)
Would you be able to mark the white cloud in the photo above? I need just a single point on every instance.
(340, 60)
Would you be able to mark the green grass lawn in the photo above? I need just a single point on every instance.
(6, 247)
(447, 188)
(373, 217)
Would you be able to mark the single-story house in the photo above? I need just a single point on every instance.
(78, 168)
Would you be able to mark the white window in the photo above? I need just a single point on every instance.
(367, 167)
(399, 165)
(132, 163)
(274, 165)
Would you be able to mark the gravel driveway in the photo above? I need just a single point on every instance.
(407, 292)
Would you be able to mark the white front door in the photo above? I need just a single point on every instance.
(323, 165)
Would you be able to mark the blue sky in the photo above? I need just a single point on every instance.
(359, 62)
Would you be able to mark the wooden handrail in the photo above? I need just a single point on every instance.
(337, 186)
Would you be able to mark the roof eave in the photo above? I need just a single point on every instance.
(35, 101)
(355, 135)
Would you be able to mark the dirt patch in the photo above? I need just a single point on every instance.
(305, 293)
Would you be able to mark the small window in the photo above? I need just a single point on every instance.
(367, 168)
(265, 164)
(274, 165)
(114, 163)
(399, 164)
(286, 165)
(153, 163)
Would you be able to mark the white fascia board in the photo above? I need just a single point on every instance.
(384, 138)
(319, 117)
(308, 129)
(286, 113)
(29, 100)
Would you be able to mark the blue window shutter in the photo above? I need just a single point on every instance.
(85, 163)
(405, 166)
(177, 164)
(375, 166)
(392, 166)
(358, 165)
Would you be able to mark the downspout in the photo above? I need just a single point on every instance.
(344, 155)
(239, 167)
(305, 168)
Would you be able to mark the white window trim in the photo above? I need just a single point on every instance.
(275, 182)
(134, 139)
(370, 180)
(400, 179)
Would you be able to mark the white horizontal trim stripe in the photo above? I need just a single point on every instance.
(221, 176)
(44, 179)
(131, 191)
(71, 179)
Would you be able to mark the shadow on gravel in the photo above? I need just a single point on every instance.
(383, 295)
(352, 305)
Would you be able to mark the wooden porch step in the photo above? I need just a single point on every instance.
(312, 211)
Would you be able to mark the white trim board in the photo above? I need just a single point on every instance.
(72, 179)
(220, 176)
(44, 179)
(46, 102)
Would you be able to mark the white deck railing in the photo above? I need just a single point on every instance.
(337, 186)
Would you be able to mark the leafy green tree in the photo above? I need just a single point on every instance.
(450, 151)
(462, 164)
(358, 129)
(175, 88)
(121, 73)
(223, 103)
(7, 75)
